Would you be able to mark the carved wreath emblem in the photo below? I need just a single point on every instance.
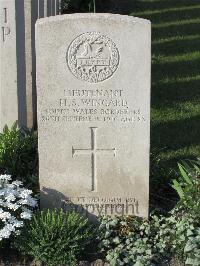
(92, 57)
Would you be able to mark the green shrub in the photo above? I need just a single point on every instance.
(55, 238)
(132, 241)
(192, 248)
(185, 239)
(18, 153)
(135, 241)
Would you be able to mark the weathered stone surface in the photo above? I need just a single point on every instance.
(93, 80)
(17, 58)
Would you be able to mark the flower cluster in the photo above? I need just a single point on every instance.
(16, 205)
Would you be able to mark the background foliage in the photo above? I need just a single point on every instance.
(18, 154)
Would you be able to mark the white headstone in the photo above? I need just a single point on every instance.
(93, 81)
(17, 58)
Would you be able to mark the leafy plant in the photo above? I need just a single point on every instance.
(139, 242)
(132, 241)
(18, 153)
(192, 248)
(186, 182)
(55, 237)
(188, 187)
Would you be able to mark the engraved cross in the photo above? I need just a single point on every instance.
(93, 151)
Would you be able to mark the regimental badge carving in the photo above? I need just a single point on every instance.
(93, 57)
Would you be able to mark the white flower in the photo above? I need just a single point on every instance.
(5, 233)
(17, 183)
(25, 193)
(5, 177)
(9, 227)
(18, 223)
(32, 202)
(13, 206)
(26, 215)
(10, 197)
(4, 215)
(2, 192)
(28, 201)
(8, 190)
(16, 205)
(17, 232)
(10, 186)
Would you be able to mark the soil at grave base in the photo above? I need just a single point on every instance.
(28, 262)
(12, 258)
(16, 261)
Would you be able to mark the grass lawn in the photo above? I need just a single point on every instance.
(175, 76)
(175, 116)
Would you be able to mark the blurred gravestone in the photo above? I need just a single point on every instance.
(17, 58)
